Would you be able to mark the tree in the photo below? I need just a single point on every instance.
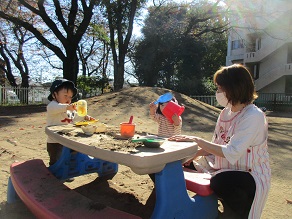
(2, 70)
(13, 50)
(6, 67)
(174, 52)
(94, 50)
(120, 15)
(63, 25)
(16, 54)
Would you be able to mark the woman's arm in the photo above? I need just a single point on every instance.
(199, 153)
(210, 147)
(207, 146)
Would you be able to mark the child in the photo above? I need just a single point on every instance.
(60, 111)
(165, 127)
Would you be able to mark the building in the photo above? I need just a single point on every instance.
(261, 38)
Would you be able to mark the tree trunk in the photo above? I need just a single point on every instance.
(8, 69)
(119, 77)
(70, 67)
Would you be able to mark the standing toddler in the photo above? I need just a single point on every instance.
(166, 129)
(60, 111)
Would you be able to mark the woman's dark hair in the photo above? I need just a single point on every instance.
(237, 83)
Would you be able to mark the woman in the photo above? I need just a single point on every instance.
(241, 171)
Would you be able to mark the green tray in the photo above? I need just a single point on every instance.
(150, 142)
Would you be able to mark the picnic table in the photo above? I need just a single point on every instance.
(172, 199)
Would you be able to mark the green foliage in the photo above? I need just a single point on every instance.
(182, 47)
(208, 86)
(216, 51)
(99, 32)
(91, 84)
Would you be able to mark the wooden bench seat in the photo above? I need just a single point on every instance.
(197, 182)
(49, 198)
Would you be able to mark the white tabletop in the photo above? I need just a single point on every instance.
(142, 160)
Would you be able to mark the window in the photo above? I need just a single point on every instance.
(256, 71)
(289, 57)
(237, 44)
(288, 85)
(259, 43)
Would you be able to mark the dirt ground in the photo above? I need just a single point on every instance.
(22, 137)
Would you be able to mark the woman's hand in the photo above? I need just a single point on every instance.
(182, 138)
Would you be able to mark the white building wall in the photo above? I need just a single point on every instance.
(274, 60)
(275, 87)
(265, 26)
(272, 69)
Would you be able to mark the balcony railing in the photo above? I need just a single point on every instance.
(264, 51)
(288, 67)
(268, 77)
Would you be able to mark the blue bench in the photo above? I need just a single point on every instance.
(48, 198)
(72, 163)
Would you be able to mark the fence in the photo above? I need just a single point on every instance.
(271, 101)
(209, 99)
(38, 95)
(32, 95)
(275, 101)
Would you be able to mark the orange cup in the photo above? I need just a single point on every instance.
(127, 130)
